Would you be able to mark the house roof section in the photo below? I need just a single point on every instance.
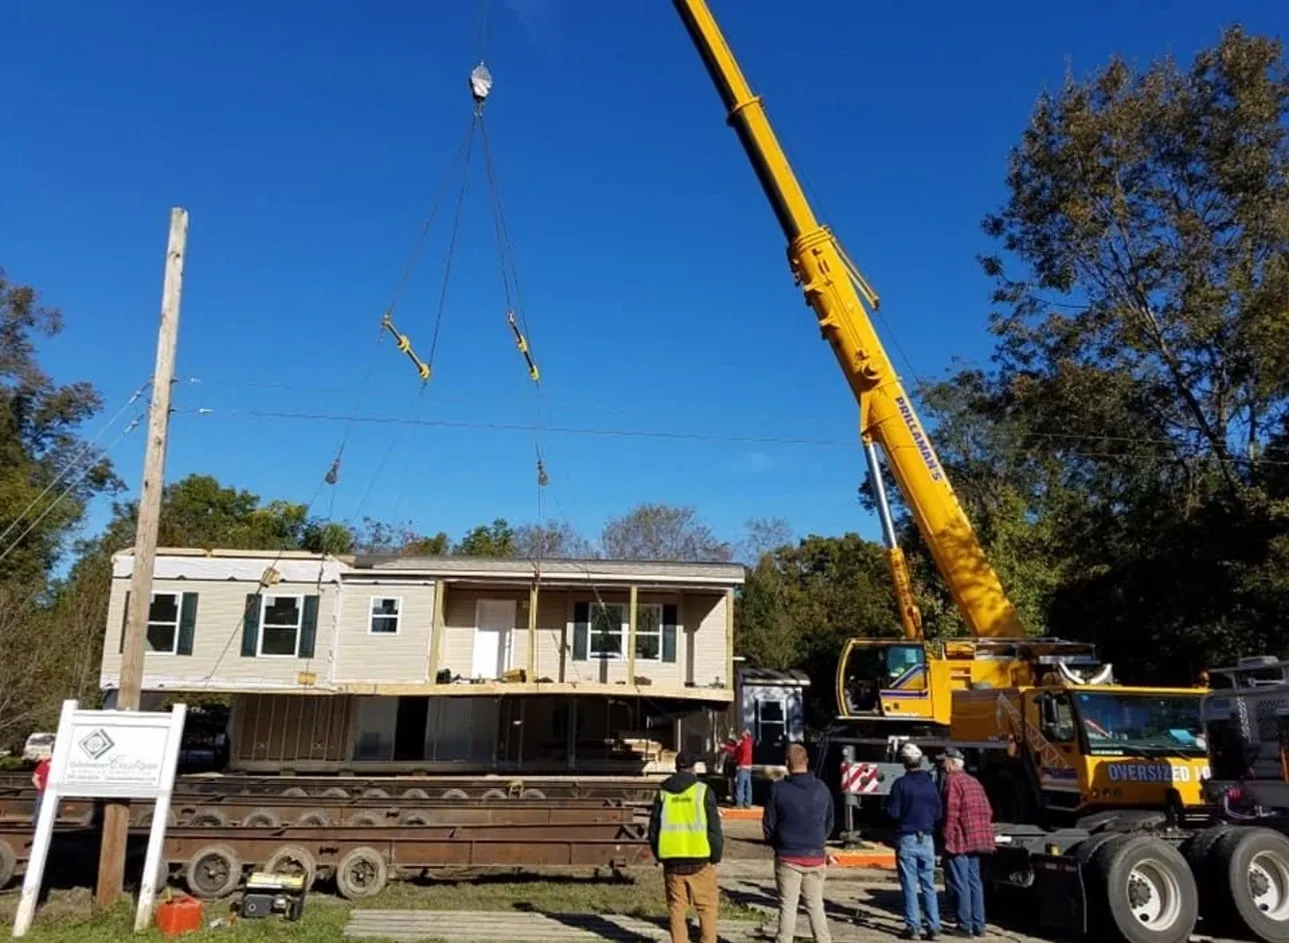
(587, 571)
(296, 565)
(791, 678)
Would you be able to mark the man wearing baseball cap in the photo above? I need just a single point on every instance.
(968, 833)
(685, 836)
(914, 807)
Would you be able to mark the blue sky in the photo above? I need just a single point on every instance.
(307, 139)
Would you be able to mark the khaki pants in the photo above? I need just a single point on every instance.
(794, 882)
(698, 889)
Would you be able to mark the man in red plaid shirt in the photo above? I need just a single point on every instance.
(968, 834)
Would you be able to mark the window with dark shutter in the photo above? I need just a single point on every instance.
(670, 618)
(309, 627)
(251, 626)
(581, 629)
(187, 624)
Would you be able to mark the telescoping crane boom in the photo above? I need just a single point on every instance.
(1051, 741)
(838, 293)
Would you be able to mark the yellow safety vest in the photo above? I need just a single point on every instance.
(682, 832)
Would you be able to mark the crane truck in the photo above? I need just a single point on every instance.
(1096, 785)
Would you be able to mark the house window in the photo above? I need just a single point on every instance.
(280, 625)
(649, 632)
(384, 615)
(163, 623)
(607, 626)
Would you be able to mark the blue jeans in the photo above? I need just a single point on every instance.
(743, 788)
(962, 874)
(915, 860)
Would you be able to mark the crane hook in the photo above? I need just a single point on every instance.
(480, 85)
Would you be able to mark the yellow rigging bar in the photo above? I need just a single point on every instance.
(405, 345)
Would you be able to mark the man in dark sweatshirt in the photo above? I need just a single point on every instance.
(797, 821)
(685, 835)
(914, 806)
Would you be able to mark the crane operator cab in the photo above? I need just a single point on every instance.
(887, 678)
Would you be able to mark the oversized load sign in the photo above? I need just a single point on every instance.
(107, 755)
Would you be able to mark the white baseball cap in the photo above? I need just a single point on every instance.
(911, 752)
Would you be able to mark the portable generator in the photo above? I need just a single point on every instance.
(268, 894)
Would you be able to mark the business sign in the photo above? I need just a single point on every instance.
(107, 755)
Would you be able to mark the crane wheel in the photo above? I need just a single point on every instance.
(1141, 890)
(361, 873)
(1247, 883)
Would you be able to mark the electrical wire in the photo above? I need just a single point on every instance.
(71, 486)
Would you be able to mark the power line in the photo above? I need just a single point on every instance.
(671, 434)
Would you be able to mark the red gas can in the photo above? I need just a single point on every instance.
(178, 916)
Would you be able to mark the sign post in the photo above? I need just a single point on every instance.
(108, 755)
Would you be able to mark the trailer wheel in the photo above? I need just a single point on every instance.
(295, 860)
(456, 794)
(145, 819)
(1250, 872)
(335, 792)
(295, 792)
(415, 817)
(213, 872)
(374, 794)
(495, 795)
(416, 794)
(8, 864)
(261, 818)
(532, 794)
(314, 818)
(361, 873)
(364, 820)
(1147, 890)
(209, 818)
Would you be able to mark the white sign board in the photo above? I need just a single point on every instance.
(107, 755)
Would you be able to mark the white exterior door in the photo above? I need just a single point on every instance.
(494, 623)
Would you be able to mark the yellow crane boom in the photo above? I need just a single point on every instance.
(837, 292)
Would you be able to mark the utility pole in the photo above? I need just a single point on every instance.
(116, 817)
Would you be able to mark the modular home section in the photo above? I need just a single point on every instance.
(246, 621)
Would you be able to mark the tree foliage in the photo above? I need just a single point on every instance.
(663, 532)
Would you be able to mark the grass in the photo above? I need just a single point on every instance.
(69, 917)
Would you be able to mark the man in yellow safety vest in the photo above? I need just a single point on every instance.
(685, 835)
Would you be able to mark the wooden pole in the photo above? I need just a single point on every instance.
(116, 818)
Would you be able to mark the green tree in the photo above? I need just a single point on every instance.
(663, 532)
(1141, 378)
(488, 540)
(801, 602)
(40, 444)
(401, 540)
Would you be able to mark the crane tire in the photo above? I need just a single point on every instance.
(314, 818)
(1143, 890)
(261, 818)
(1249, 883)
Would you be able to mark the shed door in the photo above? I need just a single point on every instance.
(771, 732)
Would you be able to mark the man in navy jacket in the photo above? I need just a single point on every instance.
(915, 808)
(797, 821)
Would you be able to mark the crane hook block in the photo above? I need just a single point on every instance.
(480, 83)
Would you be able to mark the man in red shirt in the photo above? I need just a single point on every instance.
(968, 833)
(40, 779)
(741, 752)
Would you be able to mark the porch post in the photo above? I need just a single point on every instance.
(436, 631)
(633, 601)
(532, 632)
